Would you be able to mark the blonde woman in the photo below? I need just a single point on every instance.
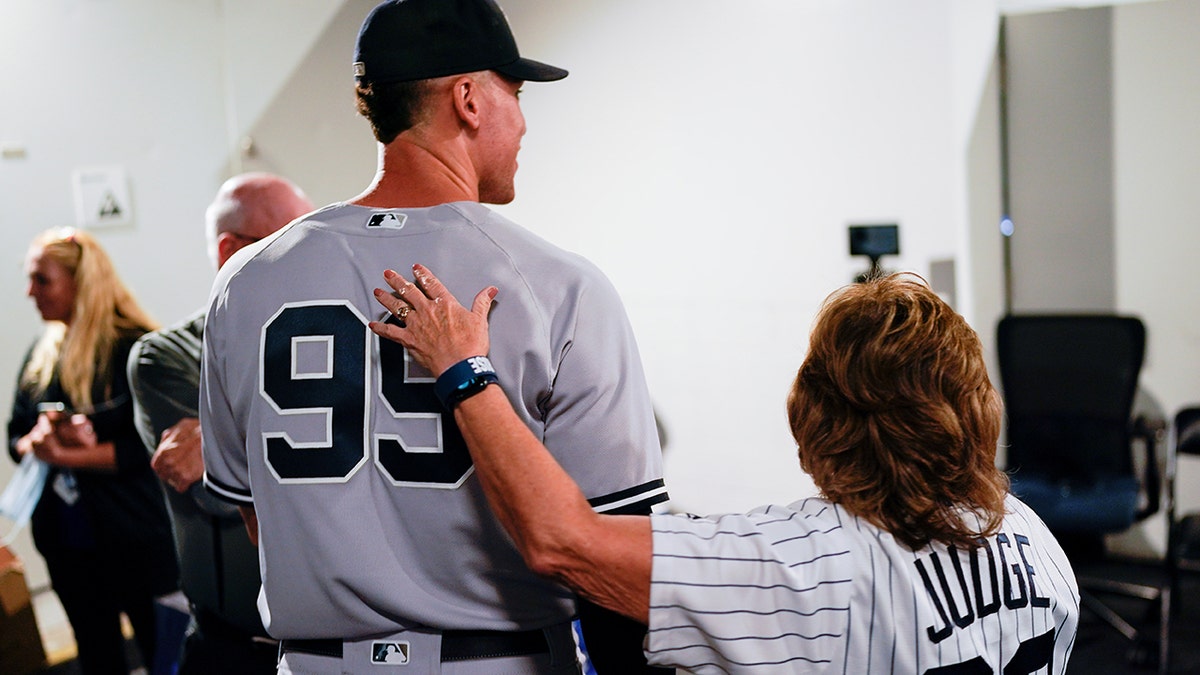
(101, 523)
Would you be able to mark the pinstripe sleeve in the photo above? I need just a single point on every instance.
(767, 591)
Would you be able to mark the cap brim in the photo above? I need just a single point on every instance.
(531, 71)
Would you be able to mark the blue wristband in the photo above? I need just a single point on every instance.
(464, 379)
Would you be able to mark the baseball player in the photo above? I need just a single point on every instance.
(915, 559)
(376, 543)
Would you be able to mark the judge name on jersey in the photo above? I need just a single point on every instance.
(999, 572)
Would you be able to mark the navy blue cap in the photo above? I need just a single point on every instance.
(404, 40)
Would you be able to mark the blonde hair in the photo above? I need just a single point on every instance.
(895, 417)
(104, 310)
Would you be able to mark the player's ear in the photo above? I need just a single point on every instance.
(467, 95)
(227, 244)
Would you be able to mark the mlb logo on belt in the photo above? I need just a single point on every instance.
(389, 653)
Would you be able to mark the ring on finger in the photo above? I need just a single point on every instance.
(402, 312)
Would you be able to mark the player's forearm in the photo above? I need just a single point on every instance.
(609, 564)
(605, 558)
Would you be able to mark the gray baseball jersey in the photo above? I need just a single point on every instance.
(369, 518)
(811, 588)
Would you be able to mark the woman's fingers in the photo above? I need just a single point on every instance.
(483, 302)
(433, 288)
(392, 304)
(428, 302)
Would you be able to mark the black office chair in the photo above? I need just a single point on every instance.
(1069, 383)
(1183, 546)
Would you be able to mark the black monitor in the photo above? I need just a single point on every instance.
(874, 240)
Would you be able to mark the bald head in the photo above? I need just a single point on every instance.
(247, 208)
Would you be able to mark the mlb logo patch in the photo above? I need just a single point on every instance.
(390, 221)
(389, 653)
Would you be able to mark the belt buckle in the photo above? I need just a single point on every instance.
(390, 653)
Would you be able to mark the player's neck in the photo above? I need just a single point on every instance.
(411, 175)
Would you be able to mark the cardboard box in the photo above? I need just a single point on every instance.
(21, 650)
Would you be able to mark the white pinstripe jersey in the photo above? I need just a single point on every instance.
(810, 588)
(370, 519)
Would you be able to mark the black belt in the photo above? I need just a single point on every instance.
(214, 626)
(457, 645)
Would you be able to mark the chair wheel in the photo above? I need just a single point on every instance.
(1143, 653)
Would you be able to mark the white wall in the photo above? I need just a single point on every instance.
(1156, 179)
(708, 158)
(984, 268)
(1061, 160)
(140, 84)
(1106, 160)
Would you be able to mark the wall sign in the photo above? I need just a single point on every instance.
(101, 197)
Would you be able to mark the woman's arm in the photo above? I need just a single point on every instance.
(606, 559)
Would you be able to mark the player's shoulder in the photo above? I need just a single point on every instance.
(523, 246)
(247, 257)
(348, 217)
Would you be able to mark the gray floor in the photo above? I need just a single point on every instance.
(1100, 650)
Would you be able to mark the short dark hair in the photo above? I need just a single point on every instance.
(392, 108)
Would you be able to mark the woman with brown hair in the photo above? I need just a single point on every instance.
(914, 558)
(101, 522)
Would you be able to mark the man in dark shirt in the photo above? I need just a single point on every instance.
(220, 575)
